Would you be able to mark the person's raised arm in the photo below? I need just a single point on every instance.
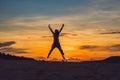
(61, 28)
(50, 28)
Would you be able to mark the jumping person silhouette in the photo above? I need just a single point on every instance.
(56, 43)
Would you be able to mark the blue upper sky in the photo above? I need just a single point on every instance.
(77, 12)
(43, 7)
(52, 8)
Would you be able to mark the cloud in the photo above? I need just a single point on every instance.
(5, 47)
(46, 36)
(13, 50)
(89, 47)
(92, 17)
(62, 34)
(4, 44)
(92, 11)
(114, 32)
(68, 34)
(115, 47)
(24, 23)
(110, 31)
(93, 14)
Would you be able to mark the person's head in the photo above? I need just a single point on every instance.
(56, 31)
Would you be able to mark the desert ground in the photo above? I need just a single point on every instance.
(44, 70)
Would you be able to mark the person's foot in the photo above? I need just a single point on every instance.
(63, 57)
(47, 56)
(64, 60)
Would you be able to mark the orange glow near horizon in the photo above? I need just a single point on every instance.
(40, 46)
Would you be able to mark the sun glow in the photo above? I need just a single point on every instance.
(68, 48)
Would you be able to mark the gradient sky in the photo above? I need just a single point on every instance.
(92, 28)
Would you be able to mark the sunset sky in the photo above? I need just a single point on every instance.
(92, 28)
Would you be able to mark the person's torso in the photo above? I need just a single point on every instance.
(56, 37)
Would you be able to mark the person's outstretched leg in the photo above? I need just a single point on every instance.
(61, 51)
(50, 51)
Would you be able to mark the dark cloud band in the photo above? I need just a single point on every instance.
(115, 47)
(5, 47)
(4, 44)
(115, 32)
(13, 50)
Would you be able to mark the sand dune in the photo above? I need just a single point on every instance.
(34, 70)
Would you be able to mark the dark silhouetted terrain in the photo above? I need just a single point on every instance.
(113, 59)
(12, 57)
(46, 70)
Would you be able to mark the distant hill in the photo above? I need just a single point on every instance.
(4, 56)
(113, 59)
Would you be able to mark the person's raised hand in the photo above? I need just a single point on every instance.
(63, 25)
(49, 25)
